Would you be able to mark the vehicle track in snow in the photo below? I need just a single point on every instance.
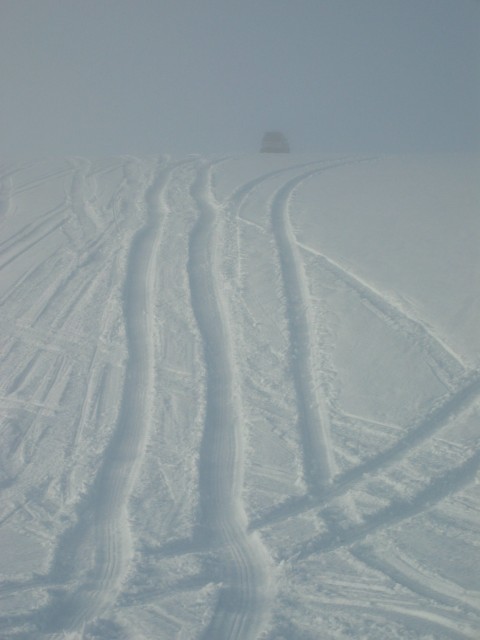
(440, 415)
(456, 402)
(312, 406)
(244, 566)
(463, 391)
(93, 557)
(236, 200)
(230, 210)
(463, 385)
(449, 483)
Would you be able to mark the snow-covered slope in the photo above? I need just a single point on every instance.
(240, 398)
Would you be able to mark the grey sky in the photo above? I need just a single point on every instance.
(152, 76)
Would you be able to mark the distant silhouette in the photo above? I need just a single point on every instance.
(275, 142)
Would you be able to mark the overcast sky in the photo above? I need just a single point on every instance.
(94, 77)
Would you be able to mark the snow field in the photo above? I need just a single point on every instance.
(235, 399)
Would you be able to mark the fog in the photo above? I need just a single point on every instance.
(153, 76)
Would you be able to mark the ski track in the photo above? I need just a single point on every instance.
(427, 621)
(24, 279)
(31, 229)
(430, 587)
(81, 296)
(445, 363)
(56, 293)
(312, 423)
(33, 184)
(36, 240)
(244, 599)
(102, 535)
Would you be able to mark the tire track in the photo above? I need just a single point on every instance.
(50, 295)
(313, 413)
(93, 284)
(437, 418)
(231, 212)
(244, 600)
(240, 194)
(93, 558)
(426, 427)
(233, 207)
(397, 511)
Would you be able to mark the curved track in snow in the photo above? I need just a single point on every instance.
(450, 408)
(397, 511)
(243, 604)
(101, 544)
(313, 419)
(444, 362)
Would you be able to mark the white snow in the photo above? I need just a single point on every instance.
(240, 398)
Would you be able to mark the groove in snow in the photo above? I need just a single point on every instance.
(313, 413)
(245, 595)
(100, 544)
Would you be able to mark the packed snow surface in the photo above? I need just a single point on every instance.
(240, 398)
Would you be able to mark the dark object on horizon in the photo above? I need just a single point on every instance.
(275, 142)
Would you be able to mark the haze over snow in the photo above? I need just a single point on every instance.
(117, 76)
